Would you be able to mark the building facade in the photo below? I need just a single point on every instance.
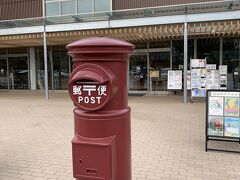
(155, 27)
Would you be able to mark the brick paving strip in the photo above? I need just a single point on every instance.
(167, 139)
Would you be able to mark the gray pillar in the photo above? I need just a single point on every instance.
(149, 84)
(45, 64)
(221, 51)
(185, 62)
(33, 72)
(51, 68)
(195, 49)
(45, 52)
(171, 55)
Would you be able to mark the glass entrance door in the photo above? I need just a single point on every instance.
(18, 72)
(138, 73)
(159, 66)
(4, 80)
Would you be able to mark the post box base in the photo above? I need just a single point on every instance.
(95, 128)
(94, 158)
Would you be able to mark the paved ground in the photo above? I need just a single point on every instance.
(167, 139)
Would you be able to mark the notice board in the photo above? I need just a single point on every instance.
(222, 115)
(174, 80)
(198, 77)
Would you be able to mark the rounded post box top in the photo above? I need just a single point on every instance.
(99, 42)
(100, 45)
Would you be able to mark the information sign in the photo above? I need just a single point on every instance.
(90, 96)
(198, 77)
(154, 73)
(223, 117)
(175, 80)
(212, 79)
(223, 76)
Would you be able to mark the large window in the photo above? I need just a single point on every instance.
(69, 7)
(159, 62)
(178, 53)
(138, 72)
(101, 5)
(231, 58)
(53, 9)
(85, 6)
(40, 70)
(60, 67)
(18, 72)
(209, 49)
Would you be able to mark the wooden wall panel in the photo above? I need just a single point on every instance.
(19, 9)
(131, 4)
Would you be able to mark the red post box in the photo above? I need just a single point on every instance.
(101, 146)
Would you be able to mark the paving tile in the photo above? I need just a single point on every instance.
(167, 139)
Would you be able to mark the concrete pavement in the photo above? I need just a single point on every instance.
(167, 139)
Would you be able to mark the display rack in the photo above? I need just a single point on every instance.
(198, 79)
(222, 118)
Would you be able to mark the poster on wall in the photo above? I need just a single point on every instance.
(195, 63)
(198, 77)
(188, 80)
(154, 73)
(202, 63)
(197, 92)
(223, 69)
(223, 76)
(212, 79)
(211, 66)
(175, 80)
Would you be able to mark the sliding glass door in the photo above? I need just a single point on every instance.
(4, 81)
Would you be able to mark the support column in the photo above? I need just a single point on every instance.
(185, 62)
(149, 82)
(171, 54)
(45, 53)
(195, 49)
(33, 71)
(51, 68)
(221, 51)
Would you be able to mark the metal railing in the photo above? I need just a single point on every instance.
(194, 8)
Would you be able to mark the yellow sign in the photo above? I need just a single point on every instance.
(154, 73)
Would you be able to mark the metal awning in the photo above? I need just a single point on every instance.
(132, 34)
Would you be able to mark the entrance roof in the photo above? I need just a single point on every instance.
(132, 34)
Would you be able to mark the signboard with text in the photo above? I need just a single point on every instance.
(174, 80)
(223, 118)
(90, 96)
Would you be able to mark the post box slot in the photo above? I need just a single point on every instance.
(90, 75)
(86, 81)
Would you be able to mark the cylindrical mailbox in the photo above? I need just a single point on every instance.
(101, 146)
